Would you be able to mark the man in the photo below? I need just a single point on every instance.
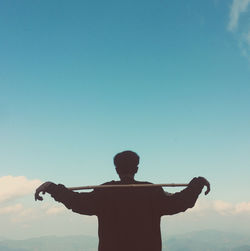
(129, 218)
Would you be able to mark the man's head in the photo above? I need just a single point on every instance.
(126, 163)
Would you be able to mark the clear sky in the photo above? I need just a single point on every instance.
(83, 80)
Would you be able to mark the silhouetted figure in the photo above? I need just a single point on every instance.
(129, 218)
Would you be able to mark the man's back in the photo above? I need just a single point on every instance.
(128, 219)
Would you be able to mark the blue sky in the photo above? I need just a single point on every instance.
(82, 81)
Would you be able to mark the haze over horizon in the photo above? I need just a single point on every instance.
(82, 81)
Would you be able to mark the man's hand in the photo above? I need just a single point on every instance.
(200, 181)
(43, 188)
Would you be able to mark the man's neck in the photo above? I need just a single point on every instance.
(127, 178)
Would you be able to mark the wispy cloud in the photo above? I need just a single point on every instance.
(22, 213)
(221, 207)
(239, 26)
(50, 209)
(237, 8)
(11, 209)
(14, 187)
(18, 213)
(243, 207)
(55, 210)
(244, 43)
(25, 215)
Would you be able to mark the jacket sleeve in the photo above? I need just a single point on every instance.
(169, 204)
(82, 203)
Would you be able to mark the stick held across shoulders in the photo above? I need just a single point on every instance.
(127, 185)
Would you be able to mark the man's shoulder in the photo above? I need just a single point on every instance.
(142, 182)
(113, 182)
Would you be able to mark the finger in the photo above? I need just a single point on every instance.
(208, 189)
(40, 198)
(37, 196)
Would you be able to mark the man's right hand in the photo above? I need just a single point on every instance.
(43, 188)
(201, 182)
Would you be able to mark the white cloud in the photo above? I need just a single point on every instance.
(25, 215)
(11, 209)
(243, 207)
(237, 8)
(200, 206)
(18, 213)
(55, 210)
(244, 44)
(247, 38)
(47, 217)
(13, 187)
(241, 29)
(222, 207)
(21, 213)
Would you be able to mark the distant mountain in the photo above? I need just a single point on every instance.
(209, 240)
(4, 248)
(242, 248)
(51, 243)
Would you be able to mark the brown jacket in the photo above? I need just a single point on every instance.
(129, 218)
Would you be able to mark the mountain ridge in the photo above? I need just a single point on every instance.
(205, 240)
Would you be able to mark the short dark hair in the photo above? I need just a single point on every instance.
(126, 162)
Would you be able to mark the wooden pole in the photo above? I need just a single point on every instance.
(127, 185)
